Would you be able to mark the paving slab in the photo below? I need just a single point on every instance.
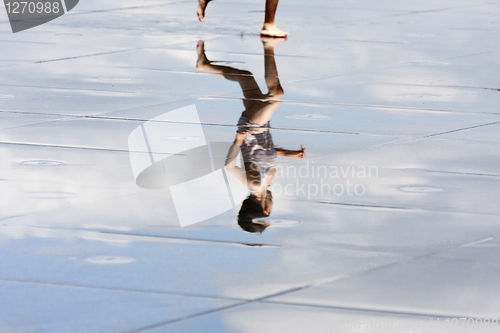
(45, 307)
(163, 265)
(407, 282)
(286, 318)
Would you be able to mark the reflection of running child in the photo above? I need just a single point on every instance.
(253, 136)
(269, 29)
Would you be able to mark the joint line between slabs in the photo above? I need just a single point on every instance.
(347, 308)
(437, 134)
(460, 129)
(130, 290)
(176, 320)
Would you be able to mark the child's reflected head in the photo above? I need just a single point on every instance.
(252, 209)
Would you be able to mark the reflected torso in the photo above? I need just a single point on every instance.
(258, 152)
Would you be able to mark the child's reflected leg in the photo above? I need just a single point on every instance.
(271, 72)
(249, 87)
(259, 107)
(271, 102)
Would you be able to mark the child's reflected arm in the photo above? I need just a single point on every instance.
(232, 155)
(291, 153)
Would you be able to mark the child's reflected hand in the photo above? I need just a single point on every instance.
(298, 153)
(240, 137)
(301, 153)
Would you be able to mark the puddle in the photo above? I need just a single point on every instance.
(109, 260)
(183, 138)
(359, 205)
(429, 97)
(425, 62)
(309, 116)
(68, 34)
(6, 96)
(278, 222)
(420, 189)
(116, 79)
(421, 35)
(42, 163)
(50, 195)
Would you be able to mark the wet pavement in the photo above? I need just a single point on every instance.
(389, 223)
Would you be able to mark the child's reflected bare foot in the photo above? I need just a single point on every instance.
(270, 42)
(271, 30)
(202, 4)
(202, 58)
